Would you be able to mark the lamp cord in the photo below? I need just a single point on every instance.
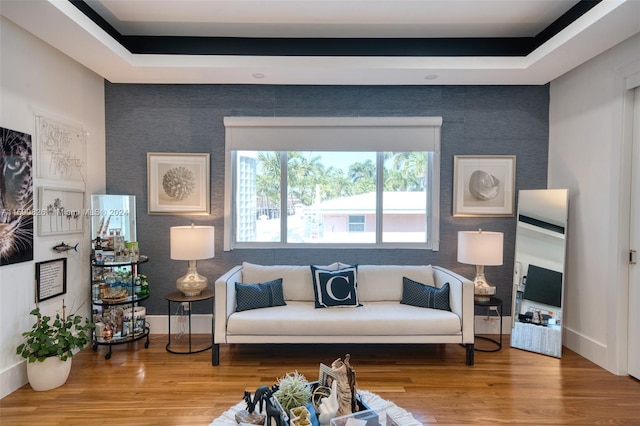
(179, 321)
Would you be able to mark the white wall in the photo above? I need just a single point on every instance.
(36, 79)
(588, 154)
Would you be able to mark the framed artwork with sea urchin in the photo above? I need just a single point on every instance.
(483, 185)
(178, 183)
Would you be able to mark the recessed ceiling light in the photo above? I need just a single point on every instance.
(257, 75)
(431, 77)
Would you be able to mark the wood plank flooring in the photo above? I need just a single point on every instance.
(139, 386)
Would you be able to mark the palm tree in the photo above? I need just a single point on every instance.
(268, 177)
(363, 176)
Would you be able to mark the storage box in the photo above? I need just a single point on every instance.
(361, 418)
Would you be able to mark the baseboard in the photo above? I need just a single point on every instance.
(491, 324)
(13, 378)
(200, 324)
(584, 346)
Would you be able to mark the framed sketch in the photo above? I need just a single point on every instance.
(483, 185)
(61, 151)
(178, 183)
(60, 211)
(51, 278)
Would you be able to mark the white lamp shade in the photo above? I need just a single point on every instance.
(192, 242)
(480, 247)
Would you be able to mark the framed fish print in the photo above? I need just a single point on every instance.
(483, 185)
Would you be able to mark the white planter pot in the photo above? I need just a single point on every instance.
(48, 374)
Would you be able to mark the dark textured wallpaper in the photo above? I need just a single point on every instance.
(491, 120)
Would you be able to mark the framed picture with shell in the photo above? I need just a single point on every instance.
(484, 185)
(178, 183)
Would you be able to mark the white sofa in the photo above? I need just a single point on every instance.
(380, 319)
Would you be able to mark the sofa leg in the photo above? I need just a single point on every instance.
(469, 353)
(215, 354)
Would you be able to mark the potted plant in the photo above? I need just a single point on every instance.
(49, 347)
(293, 391)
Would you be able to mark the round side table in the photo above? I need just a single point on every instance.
(178, 297)
(496, 304)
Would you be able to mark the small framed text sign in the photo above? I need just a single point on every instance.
(51, 279)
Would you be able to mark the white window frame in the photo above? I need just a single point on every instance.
(370, 134)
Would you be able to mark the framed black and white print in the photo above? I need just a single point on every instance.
(178, 183)
(484, 185)
(51, 279)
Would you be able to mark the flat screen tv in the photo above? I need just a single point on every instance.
(543, 286)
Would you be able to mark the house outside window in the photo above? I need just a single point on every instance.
(344, 194)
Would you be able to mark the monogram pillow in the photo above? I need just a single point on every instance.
(262, 295)
(425, 296)
(338, 288)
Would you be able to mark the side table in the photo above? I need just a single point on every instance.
(178, 297)
(496, 304)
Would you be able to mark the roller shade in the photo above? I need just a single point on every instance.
(400, 134)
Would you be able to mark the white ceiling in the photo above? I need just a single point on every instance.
(63, 26)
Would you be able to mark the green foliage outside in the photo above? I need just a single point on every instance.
(308, 176)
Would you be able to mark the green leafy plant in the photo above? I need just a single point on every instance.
(293, 391)
(57, 337)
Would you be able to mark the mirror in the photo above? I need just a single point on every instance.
(111, 214)
(539, 269)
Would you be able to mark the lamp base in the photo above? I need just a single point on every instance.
(192, 284)
(482, 290)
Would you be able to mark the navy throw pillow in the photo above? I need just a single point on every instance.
(425, 296)
(261, 295)
(335, 288)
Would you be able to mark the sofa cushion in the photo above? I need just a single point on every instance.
(296, 279)
(384, 282)
(425, 296)
(337, 288)
(261, 295)
(371, 319)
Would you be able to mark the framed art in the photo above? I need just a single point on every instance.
(60, 211)
(178, 183)
(16, 197)
(51, 278)
(61, 151)
(325, 376)
(483, 185)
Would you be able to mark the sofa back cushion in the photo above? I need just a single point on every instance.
(296, 279)
(378, 283)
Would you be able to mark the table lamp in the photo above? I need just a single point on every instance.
(481, 248)
(192, 243)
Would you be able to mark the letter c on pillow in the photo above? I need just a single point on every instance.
(330, 292)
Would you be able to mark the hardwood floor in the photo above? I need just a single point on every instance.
(139, 386)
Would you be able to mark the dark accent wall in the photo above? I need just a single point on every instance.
(493, 120)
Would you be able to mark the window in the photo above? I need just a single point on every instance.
(356, 223)
(332, 181)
